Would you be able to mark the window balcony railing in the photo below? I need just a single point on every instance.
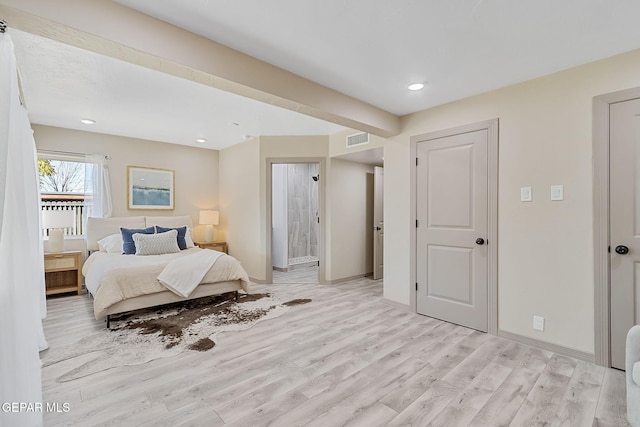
(61, 202)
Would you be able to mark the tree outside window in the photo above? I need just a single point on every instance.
(58, 176)
(62, 187)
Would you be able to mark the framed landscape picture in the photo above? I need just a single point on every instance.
(149, 188)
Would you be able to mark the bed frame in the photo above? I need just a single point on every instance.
(98, 228)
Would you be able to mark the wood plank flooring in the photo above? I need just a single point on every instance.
(297, 275)
(345, 359)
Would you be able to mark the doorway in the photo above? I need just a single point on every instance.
(454, 205)
(378, 222)
(616, 145)
(295, 222)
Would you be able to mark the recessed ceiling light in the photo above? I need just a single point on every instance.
(88, 121)
(415, 86)
(201, 140)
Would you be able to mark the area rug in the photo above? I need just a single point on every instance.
(145, 335)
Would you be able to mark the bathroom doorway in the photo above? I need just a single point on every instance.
(295, 222)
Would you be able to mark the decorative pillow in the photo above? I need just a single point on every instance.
(111, 244)
(128, 247)
(189, 240)
(182, 231)
(156, 244)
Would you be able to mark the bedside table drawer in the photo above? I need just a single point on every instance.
(56, 262)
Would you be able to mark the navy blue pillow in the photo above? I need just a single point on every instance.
(182, 232)
(128, 246)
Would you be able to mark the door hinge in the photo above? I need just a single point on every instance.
(416, 286)
(416, 223)
(416, 161)
(609, 249)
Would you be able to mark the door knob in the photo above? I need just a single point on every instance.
(376, 228)
(479, 241)
(622, 250)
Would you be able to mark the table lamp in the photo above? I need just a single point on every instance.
(55, 222)
(209, 218)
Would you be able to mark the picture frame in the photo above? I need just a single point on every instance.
(150, 188)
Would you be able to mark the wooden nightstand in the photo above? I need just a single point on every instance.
(216, 246)
(63, 272)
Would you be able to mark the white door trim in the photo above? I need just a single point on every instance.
(491, 126)
(321, 209)
(601, 237)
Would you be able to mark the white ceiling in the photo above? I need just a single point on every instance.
(372, 49)
(63, 84)
(368, 49)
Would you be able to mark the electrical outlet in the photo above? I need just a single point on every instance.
(538, 323)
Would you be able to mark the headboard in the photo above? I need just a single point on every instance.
(99, 228)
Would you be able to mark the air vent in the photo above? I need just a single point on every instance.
(357, 139)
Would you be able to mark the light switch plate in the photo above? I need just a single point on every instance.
(557, 192)
(526, 194)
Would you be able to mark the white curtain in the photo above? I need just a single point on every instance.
(97, 187)
(21, 262)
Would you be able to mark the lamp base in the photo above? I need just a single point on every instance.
(56, 240)
(208, 234)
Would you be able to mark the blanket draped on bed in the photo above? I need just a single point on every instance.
(125, 283)
(182, 275)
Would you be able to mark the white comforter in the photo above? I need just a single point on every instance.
(100, 263)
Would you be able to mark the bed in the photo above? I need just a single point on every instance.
(119, 283)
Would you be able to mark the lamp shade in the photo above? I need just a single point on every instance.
(209, 217)
(57, 219)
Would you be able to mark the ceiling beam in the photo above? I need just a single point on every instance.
(111, 29)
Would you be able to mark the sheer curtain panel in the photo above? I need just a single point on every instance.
(97, 187)
(21, 261)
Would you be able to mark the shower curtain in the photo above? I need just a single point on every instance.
(22, 303)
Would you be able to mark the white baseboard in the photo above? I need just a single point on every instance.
(565, 351)
(344, 279)
(396, 304)
(259, 282)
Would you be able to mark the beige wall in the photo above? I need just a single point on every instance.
(196, 169)
(243, 195)
(240, 214)
(350, 219)
(545, 248)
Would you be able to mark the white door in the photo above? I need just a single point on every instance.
(378, 222)
(452, 214)
(624, 199)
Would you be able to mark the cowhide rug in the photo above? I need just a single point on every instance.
(145, 335)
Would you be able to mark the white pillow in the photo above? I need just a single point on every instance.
(188, 239)
(111, 244)
(156, 244)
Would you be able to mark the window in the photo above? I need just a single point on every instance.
(62, 186)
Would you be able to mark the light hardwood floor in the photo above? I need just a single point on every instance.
(299, 275)
(346, 358)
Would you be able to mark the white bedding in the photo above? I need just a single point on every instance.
(99, 263)
(181, 276)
